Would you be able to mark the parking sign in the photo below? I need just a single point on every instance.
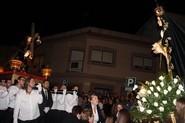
(130, 82)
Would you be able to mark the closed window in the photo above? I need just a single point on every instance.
(76, 60)
(141, 62)
(102, 56)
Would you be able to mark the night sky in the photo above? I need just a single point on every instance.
(51, 18)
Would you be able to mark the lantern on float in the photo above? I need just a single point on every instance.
(1, 69)
(15, 64)
(46, 72)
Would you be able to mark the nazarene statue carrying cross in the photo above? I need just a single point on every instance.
(161, 47)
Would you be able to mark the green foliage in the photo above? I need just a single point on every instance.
(157, 98)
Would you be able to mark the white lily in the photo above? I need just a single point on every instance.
(156, 104)
(149, 111)
(162, 84)
(149, 92)
(137, 97)
(178, 92)
(144, 99)
(164, 102)
(181, 87)
(169, 88)
(161, 78)
(175, 80)
(141, 109)
(152, 88)
(158, 88)
(165, 92)
(174, 101)
(156, 94)
(161, 109)
(153, 83)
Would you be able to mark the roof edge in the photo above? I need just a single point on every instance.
(96, 30)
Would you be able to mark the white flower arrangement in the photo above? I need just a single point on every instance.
(158, 98)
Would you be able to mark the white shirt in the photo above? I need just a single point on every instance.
(26, 106)
(70, 101)
(95, 113)
(54, 98)
(13, 90)
(59, 101)
(4, 99)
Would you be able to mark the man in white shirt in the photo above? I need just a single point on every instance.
(13, 90)
(4, 100)
(59, 98)
(26, 105)
(54, 97)
(71, 100)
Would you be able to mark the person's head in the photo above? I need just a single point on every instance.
(55, 88)
(180, 109)
(8, 83)
(76, 111)
(3, 82)
(123, 117)
(62, 87)
(75, 88)
(20, 81)
(87, 115)
(45, 84)
(29, 84)
(94, 99)
(119, 107)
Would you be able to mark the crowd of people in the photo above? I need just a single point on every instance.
(27, 101)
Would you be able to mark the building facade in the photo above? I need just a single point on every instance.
(98, 59)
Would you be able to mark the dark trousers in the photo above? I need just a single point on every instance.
(3, 116)
(42, 118)
(28, 121)
(9, 117)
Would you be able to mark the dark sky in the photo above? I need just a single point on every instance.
(51, 18)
